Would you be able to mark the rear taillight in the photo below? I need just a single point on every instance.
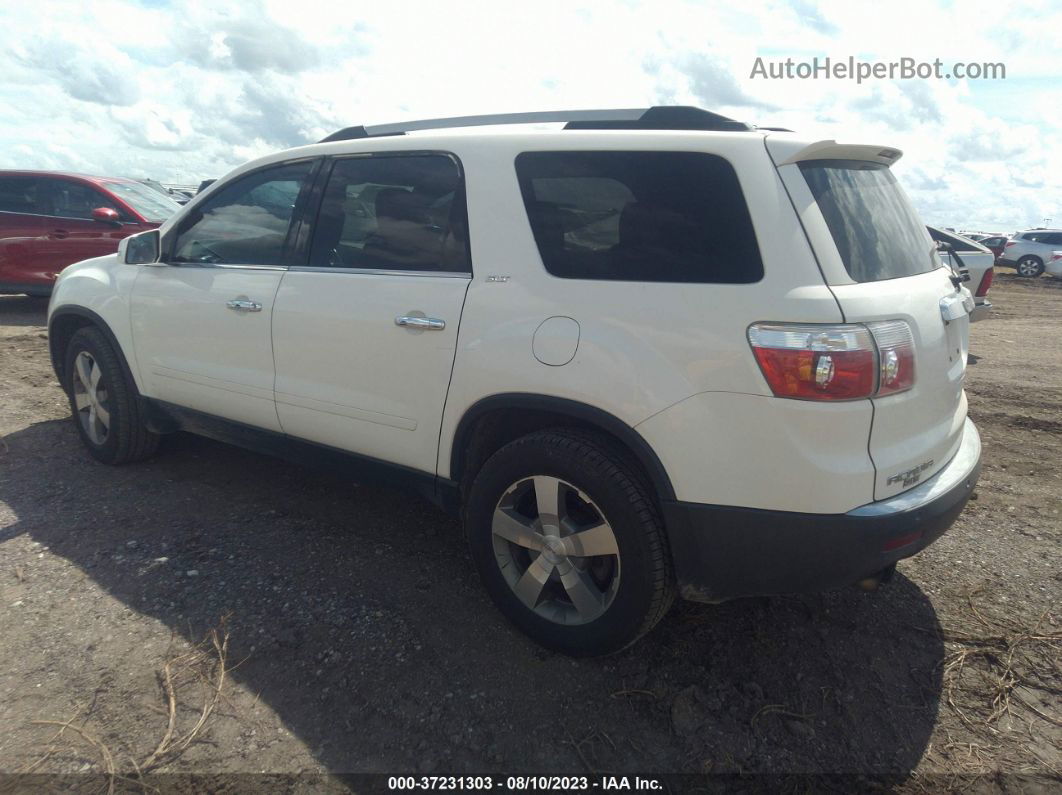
(835, 362)
(986, 282)
(1010, 243)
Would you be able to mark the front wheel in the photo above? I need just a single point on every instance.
(103, 401)
(568, 542)
(1030, 267)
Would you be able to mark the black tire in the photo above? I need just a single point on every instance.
(644, 589)
(1034, 266)
(127, 439)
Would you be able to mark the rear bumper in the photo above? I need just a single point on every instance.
(723, 552)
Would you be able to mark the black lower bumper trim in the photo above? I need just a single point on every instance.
(723, 552)
(13, 288)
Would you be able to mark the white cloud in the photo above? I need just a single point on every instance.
(183, 92)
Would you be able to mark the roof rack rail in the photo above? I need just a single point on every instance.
(659, 117)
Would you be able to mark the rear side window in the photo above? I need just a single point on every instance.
(403, 213)
(1036, 237)
(245, 222)
(639, 216)
(18, 195)
(878, 234)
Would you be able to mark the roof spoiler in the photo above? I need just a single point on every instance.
(785, 152)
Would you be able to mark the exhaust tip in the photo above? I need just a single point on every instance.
(874, 581)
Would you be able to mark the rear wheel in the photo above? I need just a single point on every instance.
(568, 542)
(103, 401)
(1030, 266)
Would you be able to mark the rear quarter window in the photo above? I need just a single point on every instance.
(639, 216)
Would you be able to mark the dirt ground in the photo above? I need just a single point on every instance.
(359, 639)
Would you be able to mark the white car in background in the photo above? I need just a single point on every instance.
(973, 259)
(1027, 252)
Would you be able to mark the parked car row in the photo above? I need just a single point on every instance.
(1029, 252)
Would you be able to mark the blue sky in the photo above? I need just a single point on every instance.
(182, 92)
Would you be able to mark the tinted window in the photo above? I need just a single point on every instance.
(65, 199)
(639, 216)
(1053, 239)
(877, 233)
(246, 222)
(18, 194)
(393, 213)
(992, 241)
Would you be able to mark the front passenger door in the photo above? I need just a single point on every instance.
(201, 319)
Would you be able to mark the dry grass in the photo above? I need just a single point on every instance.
(206, 665)
(995, 662)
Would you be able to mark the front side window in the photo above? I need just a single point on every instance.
(393, 213)
(245, 222)
(65, 199)
(878, 234)
(639, 216)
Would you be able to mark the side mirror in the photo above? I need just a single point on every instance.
(142, 249)
(106, 215)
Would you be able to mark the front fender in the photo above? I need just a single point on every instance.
(96, 292)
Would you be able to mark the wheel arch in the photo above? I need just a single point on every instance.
(494, 421)
(64, 323)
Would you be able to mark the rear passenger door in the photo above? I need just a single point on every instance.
(365, 331)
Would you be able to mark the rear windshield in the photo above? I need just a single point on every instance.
(151, 204)
(877, 233)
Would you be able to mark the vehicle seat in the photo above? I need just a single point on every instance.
(404, 237)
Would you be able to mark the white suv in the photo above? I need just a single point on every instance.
(645, 353)
(1028, 251)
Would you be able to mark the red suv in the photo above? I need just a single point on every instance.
(49, 220)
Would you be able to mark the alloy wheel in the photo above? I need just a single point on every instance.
(91, 398)
(1028, 267)
(556, 550)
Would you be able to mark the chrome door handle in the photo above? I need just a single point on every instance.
(243, 306)
(427, 323)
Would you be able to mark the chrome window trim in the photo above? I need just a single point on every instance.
(381, 272)
(74, 218)
(224, 265)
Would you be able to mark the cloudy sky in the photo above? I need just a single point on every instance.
(185, 91)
